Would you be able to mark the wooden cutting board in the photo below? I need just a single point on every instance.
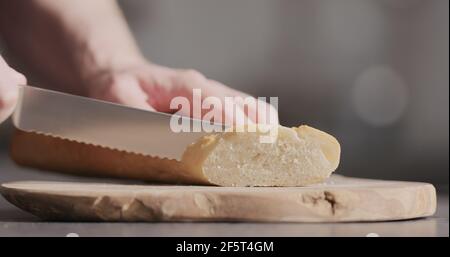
(338, 199)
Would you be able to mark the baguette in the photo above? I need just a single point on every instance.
(298, 157)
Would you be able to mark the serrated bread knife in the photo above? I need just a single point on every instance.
(102, 123)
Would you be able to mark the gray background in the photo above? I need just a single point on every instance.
(372, 73)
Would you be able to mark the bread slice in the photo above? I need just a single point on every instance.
(299, 156)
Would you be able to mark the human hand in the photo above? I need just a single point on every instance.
(152, 87)
(86, 57)
(9, 81)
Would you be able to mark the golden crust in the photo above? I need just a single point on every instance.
(55, 154)
(60, 155)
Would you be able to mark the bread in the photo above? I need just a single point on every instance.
(299, 156)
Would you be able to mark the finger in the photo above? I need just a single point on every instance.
(256, 110)
(161, 88)
(8, 100)
(267, 113)
(232, 112)
(125, 89)
(8, 91)
(18, 77)
(2, 61)
(241, 118)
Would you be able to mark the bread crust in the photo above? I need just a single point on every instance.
(61, 155)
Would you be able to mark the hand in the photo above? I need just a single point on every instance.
(152, 87)
(9, 81)
(87, 57)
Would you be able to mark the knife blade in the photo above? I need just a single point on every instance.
(101, 123)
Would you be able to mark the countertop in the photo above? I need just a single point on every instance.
(14, 222)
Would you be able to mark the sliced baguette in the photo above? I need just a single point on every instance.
(299, 156)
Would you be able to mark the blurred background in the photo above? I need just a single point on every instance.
(374, 73)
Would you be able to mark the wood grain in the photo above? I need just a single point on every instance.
(338, 199)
